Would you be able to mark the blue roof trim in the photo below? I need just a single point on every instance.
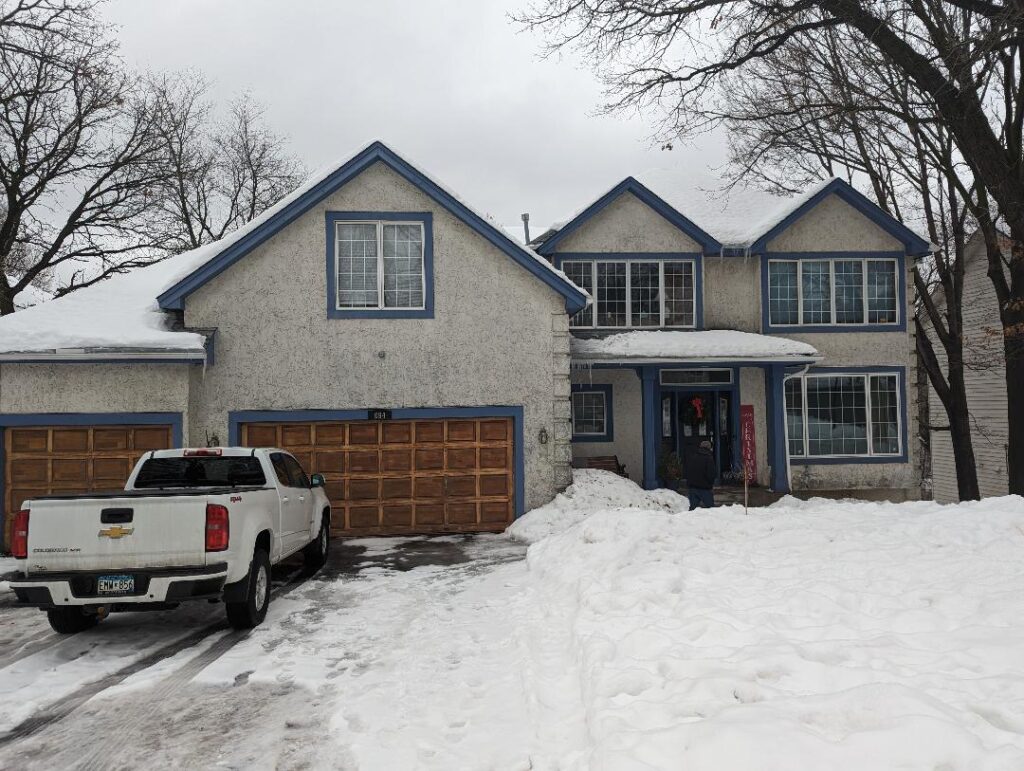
(631, 185)
(174, 298)
(914, 245)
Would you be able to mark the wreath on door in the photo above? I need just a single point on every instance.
(695, 410)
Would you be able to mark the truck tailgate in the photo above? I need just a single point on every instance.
(111, 533)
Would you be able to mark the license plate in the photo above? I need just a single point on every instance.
(115, 584)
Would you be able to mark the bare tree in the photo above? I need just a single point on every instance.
(79, 154)
(222, 174)
(959, 61)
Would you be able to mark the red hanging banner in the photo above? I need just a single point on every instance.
(748, 447)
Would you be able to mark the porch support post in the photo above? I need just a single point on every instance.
(649, 383)
(776, 393)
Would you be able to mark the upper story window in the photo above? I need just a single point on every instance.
(844, 414)
(635, 293)
(380, 265)
(833, 292)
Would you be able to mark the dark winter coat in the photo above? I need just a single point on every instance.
(701, 471)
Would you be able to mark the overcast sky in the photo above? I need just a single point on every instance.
(454, 84)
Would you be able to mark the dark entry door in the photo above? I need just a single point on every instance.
(697, 422)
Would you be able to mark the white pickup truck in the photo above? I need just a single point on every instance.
(202, 524)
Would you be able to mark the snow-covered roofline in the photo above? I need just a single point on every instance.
(712, 346)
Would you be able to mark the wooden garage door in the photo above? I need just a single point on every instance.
(41, 460)
(404, 476)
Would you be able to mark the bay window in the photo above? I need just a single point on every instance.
(833, 292)
(844, 414)
(635, 294)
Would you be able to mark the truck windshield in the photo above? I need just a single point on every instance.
(201, 472)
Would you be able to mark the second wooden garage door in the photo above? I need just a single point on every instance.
(405, 476)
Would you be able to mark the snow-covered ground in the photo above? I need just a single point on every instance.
(630, 635)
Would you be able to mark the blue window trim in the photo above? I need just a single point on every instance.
(424, 218)
(859, 460)
(901, 292)
(174, 298)
(631, 185)
(698, 280)
(609, 422)
(49, 419)
(238, 417)
(913, 244)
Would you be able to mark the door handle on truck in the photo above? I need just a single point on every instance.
(284, 499)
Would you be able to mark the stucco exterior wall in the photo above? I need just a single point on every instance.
(498, 336)
(833, 225)
(26, 388)
(627, 419)
(627, 224)
(732, 293)
(752, 391)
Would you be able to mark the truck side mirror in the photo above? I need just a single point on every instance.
(317, 480)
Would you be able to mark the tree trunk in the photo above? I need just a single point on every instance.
(960, 437)
(1013, 348)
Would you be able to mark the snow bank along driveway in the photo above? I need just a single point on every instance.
(633, 635)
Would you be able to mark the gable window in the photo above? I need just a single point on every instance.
(833, 292)
(379, 265)
(592, 413)
(635, 294)
(844, 414)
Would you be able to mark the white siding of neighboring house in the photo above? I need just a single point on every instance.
(986, 389)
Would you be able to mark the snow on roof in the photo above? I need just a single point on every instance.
(707, 345)
(122, 311)
(29, 296)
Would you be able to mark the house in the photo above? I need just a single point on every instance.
(813, 291)
(985, 378)
(444, 377)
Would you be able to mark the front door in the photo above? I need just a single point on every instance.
(697, 421)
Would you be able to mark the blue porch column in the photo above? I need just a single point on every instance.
(776, 396)
(652, 434)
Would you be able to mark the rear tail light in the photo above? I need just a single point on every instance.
(205, 452)
(217, 529)
(19, 535)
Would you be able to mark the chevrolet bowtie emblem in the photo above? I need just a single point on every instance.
(116, 532)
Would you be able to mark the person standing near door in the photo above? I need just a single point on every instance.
(701, 474)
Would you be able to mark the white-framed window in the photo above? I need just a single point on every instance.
(833, 292)
(379, 265)
(844, 415)
(635, 293)
(590, 414)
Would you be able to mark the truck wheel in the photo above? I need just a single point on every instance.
(251, 611)
(71, 620)
(314, 556)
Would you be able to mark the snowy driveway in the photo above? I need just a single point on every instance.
(403, 653)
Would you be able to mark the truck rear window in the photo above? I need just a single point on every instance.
(239, 471)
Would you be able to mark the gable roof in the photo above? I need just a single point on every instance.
(322, 185)
(742, 219)
(913, 244)
(630, 185)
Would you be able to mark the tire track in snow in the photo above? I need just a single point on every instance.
(56, 712)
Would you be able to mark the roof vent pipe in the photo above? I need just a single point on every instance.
(526, 228)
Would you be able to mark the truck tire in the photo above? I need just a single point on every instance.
(71, 620)
(314, 556)
(251, 611)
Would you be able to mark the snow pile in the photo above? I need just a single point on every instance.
(708, 344)
(820, 634)
(591, 490)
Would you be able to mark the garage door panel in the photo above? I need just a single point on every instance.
(110, 439)
(45, 460)
(299, 435)
(406, 476)
(257, 435)
(396, 433)
(396, 460)
(26, 440)
(305, 459)
(70, 440)
(70, 470)
(429, 459)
